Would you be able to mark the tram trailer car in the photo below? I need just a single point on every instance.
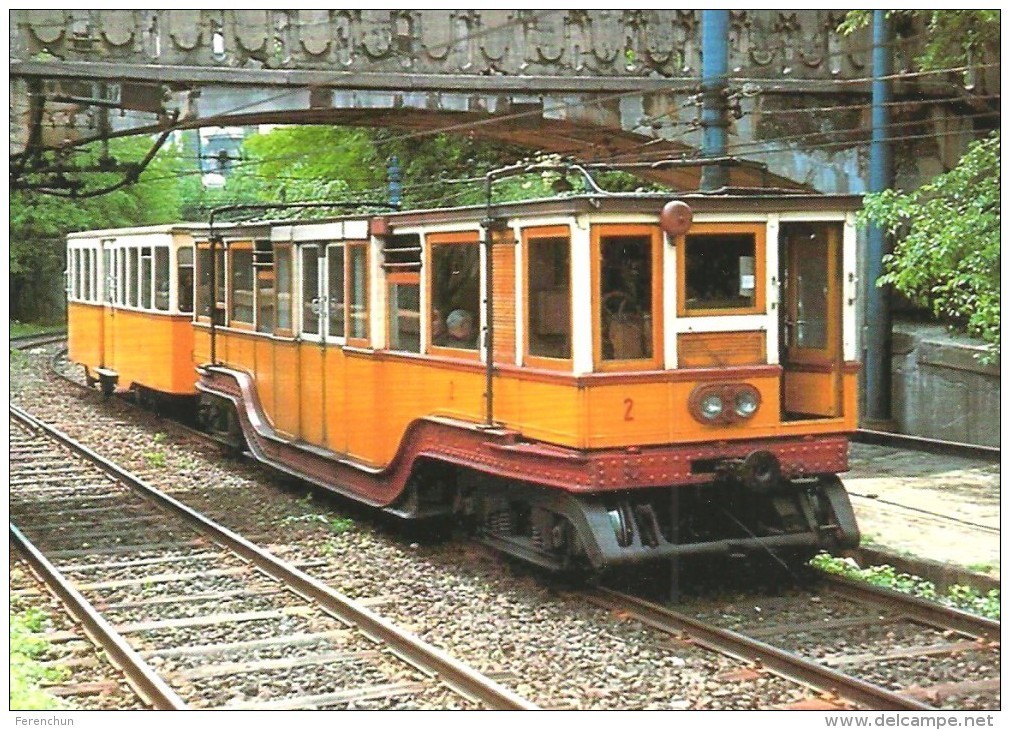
(652, 392)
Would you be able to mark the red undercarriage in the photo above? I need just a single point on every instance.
(502, 453)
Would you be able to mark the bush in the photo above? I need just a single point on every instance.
(947, 252)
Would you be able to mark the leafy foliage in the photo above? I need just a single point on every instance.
(954, 37)
(318, 163)
(39, 223)
(947, 255)
(886, 576)
(26, 671)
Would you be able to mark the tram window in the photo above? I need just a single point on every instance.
(455, 295)
(265, 302)
(93, 289)
(121, 277)
(241, 283)
(94, 275)
(86, 274)
(282, 269)
(310, 290)
(719, 272)
(162, 278)
(220, 297)
(626, 297)
(404, 312)
(335, 291)
(203, 277)
(145, 277)
(75, 274)
(110, 276)
(358, 290)
(132, 276)
(72, 273)
(549, 297)
(184, 257)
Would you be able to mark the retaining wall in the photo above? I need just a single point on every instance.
(940, 387)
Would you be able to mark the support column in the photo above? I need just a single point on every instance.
(878, 299)
(714, 70)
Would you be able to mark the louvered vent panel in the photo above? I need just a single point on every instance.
(402, 253)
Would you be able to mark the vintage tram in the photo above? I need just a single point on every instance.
(582, 381)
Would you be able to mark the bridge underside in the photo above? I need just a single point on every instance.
(593, 84)
(613, 126)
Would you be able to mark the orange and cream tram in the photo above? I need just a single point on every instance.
(650, 390)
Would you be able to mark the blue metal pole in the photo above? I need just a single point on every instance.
(714, 70)
(395, 177)
(878, 306)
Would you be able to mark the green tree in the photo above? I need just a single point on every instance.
(947, 232)
(953, 37)
(947, 250)
(39, 223)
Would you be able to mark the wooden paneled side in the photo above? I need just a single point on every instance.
(287, 382)
(152, 350)
(310, 394)
(720, 349)
(360, 403)
(504, 299)
(263, 362)
(812, 393)
(85, 334)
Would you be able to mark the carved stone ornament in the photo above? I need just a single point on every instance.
(185, 28)
(46, 25)
(314, 31)
(252, 29)
(118, 27)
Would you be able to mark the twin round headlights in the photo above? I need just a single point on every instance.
(724, 403)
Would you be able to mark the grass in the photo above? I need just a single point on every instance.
(337, 525)
(887, 576)
(983, 567)
(156, 459)
(27, 673)
(24, 329)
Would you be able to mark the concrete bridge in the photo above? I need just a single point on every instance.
(595, 84)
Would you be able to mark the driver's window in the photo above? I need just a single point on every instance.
(454, 302)
(626, 297)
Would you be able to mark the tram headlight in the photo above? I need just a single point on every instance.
(746, 402)
(724, 403)
(711, 406)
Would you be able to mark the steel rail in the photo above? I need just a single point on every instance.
(919, 609)
(428, 659)
(145, 682)
(779, 661)
(928, 445)
(44, 338)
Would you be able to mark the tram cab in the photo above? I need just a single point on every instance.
(563, 347)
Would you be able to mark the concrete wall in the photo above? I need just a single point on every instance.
(940, 387)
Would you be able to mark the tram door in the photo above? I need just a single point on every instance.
(311, 410)
(323, 324)
(811, 331)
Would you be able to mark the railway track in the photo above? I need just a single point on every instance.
(196, 615)
(30, 341)
(853, 644)
(927, 445)
(846, 678)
